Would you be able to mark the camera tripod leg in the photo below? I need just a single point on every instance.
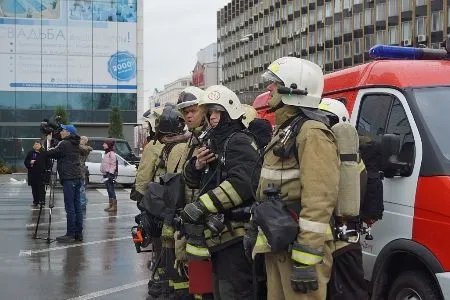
(37, 223)
(49, 225)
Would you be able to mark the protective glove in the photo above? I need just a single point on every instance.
(304, 261)
(250, 240)
(180, 253)
(193, 212)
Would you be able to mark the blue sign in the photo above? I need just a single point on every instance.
(122, 66)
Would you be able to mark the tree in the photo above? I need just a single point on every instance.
(61, 111)
(115, 123)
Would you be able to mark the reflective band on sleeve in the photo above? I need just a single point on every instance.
(197, 251)
(206, 200)
(305, 258)
(280, 174)
(230, 190)
(314, 226)
(179, 285)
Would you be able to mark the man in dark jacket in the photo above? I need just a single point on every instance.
(67, 154)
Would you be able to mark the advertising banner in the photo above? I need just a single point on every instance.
(68, 45)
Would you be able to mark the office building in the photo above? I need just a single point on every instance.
(334, 34)
(84, 56)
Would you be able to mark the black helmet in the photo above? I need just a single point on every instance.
(170, 122)
(189, 97)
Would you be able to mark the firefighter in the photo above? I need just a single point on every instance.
(226, 170)
(302, 163)
(347, 275)
(170, 133)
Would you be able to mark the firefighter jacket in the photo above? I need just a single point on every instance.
(147, 166)
(309, 182)
(227, 183)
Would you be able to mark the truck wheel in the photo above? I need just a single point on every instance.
(414, 285)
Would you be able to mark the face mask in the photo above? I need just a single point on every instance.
(275, 100)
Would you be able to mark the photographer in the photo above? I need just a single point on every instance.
(67, 154)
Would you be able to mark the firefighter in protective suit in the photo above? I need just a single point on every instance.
(226, 170)
(170, 133)
(347, 275)
(303, 165)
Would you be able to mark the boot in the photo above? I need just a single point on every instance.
(113, 207)
(109, 206)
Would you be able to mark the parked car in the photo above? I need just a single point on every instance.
(126, 172)
(121, 147)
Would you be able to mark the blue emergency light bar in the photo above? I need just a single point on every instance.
(397, 52)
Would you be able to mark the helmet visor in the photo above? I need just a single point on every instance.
(270, 77)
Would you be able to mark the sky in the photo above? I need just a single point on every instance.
(174, 31)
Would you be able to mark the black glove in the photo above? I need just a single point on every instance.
(135, 195)
(250, 240)
(304, 261)
(193, 212)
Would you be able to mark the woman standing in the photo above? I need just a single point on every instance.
(109, 171)
(36, 169)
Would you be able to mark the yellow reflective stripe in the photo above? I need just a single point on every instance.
(261, 240)
(271, 174)
(197, 251)
(315, 227)
(361, 166)
(198, 297)
(179, 285)
(231, 191)
(167, 231)
(207, 202)
(305, 258)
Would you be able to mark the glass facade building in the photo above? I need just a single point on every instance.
(78, 54)
(335, 34)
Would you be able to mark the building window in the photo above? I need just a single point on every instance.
(357, 46)
(436, 21)
(337, 6)
(347, 4)
(312, 41)
(393, 35)
(320, 14)
(348, 25)
(368, 17)
(393, 10)
(406, 5)
(436, 46)
(304, 42)
(381, 12)
(328, 33)
(368, 40)
(337, 29)
(406, 31)
(312, 17)
(357, 21)
(357, 2)
(328, 55)
(304, 21)
(420, 2)
(320, 35)
(290, 8)
(347, 49)
(380, 36)
(298, 45)
(328, 9)
(320, 58)
(421, 23)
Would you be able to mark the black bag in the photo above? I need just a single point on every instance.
(277, 222)
(174, 192)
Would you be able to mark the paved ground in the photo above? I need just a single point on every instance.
(104, 266)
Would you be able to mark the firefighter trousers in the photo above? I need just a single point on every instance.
(278, 268)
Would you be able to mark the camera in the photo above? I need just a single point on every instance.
(52, 126)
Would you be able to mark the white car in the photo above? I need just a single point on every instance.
(126, 174)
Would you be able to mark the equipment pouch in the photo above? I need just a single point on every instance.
(277, 223)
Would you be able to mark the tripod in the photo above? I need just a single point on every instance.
(50, 186)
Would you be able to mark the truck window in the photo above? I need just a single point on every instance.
(373, 115)
(398, 123)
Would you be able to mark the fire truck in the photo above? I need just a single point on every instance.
(402, 100)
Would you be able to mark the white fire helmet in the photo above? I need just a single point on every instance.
(249, 114)
(302, 81)
(226, 98)
(335, 107)
(189, 97)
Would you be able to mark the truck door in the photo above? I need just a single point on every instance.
(378, 111)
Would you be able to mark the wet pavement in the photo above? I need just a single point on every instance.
(104, 266)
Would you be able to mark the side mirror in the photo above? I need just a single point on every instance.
(390, 150)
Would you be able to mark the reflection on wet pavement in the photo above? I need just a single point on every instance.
(104, 266)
